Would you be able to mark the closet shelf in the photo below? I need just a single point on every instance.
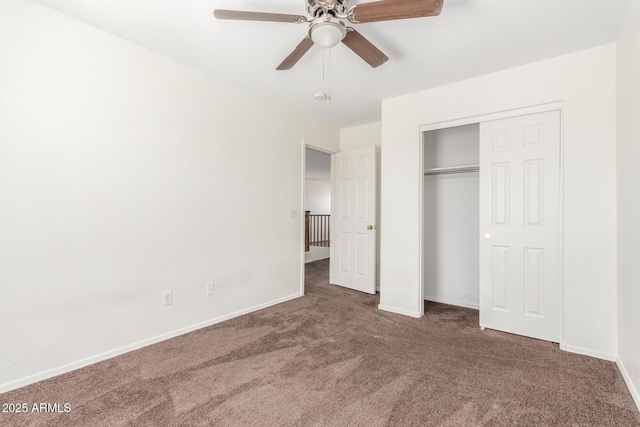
(452, 169)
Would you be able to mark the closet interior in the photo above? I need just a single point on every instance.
(451, 215)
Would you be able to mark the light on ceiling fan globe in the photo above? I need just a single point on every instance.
(327, 35)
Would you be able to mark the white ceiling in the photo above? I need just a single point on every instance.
(470, 38)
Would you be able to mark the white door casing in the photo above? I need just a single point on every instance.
(520, 226)
(355, 228)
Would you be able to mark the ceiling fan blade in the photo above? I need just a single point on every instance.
(387, 10)
(296, 54)
(364, 48)
(241, 15)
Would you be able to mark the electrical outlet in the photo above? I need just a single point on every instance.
(211, 289)
(167, 298)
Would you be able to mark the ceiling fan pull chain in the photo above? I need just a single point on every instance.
(326, 71)
(329, 74)
(324, 62)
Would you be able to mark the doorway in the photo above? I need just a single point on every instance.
(451, 215)
(316, 212)
(350, 230)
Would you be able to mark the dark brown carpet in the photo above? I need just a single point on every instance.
(332, 358)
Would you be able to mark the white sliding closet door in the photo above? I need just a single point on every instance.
(520, 242)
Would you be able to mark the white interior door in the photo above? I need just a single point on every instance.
(354, 236)
(520, 242)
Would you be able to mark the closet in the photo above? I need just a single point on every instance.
(492, 224)
(451, 215)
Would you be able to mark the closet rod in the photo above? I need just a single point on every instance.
(454, 169)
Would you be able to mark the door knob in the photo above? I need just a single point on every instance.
(487, 236)
(369, 227)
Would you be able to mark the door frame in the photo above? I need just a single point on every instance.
(540, 108)
(310, 144)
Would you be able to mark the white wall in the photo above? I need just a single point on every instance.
(316, 253)
(629, 199)
(451, 217)
(317, 196)
(364, 136)
(360, 136)
(124, 174)
(585, 83)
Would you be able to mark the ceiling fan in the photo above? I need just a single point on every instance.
(327, 29)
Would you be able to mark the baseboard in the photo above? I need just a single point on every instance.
(452, 302)
(400, 311)
(589, 352)
(22, 382)
(630, 385)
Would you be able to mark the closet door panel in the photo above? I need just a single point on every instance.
(500, 193)
(501, 277)
(520, 215)
(533, 192)
(534, 281)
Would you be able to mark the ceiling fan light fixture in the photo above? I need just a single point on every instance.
(328, 32)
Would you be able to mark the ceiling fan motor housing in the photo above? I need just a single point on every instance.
(318, 8)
